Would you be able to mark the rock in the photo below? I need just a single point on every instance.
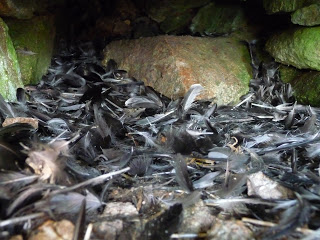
(307, 16)
(264, 187)
(50, 230)
(22, 9)
(160, 10)
(176, 23)
(9, 67)
(171, 64)
(197, 218)
(32, 121)
(108, 229)
(218, 19)
(297, 47)
(230, 230)
(124, 209)
(33, 40)
(306, 88)
(277, 6)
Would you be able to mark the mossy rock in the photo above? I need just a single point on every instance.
(22, 9)
(296, 47)
(279, 6)
(307, 16)
(307, 88)
(218, 19)
(159, 10)
(176, 23)
(10, 77)
(33, 40)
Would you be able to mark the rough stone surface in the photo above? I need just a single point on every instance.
(160, 10)
(218, 19)
(50, 230)
(9, 67)
(297, 47)
(276, 6)
(33, 40)
(171, 64)
(176, 23)
(230, 230)
(197, 218)
(307, 16)
(108, 229)
(121, 209)
(262, 186)
(307, 88)
(21, 9)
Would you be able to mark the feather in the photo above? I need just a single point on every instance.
(182, 175)
(206, 180)
(79, 226)
(142, 102)
(291, 218)
(6, 108)
(190, 96)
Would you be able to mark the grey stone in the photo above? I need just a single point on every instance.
(171, 64)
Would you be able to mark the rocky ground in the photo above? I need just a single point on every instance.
(93, 153)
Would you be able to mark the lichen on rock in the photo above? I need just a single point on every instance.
(9, 67)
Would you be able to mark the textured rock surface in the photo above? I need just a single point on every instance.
(264, 187)
(51, 230)
(197, 218)
(9, 67)
(21, 9)
(33, 40)
(276, 6)
(230, 230)
(297, 47)
(307, 16)
(174, 16)
(160, 10)
(171, 64)
(307, 88)
(218, 19)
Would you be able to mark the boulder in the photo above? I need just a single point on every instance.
(296, 47)
(278, 6)
(307, 16)
(171, 64)
(174, 16)
(306, 88)
(22, 9)
(218, 19)
(33, 40)
(9, 67)
(160, 10)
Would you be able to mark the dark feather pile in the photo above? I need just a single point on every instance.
(97, 123)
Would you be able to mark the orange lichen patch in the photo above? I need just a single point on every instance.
(33, 122)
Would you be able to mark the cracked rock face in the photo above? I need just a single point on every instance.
(171, 64)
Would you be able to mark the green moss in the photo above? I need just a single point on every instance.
(307, 88)
(159, 10)
(298, 47)
(218, 19)
(10, 78)
(33, 40)
(176, 23)
(307, 16)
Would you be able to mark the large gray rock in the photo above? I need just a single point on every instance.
(307, 16)
(171, 64)
(297, 47)
(10, 77)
